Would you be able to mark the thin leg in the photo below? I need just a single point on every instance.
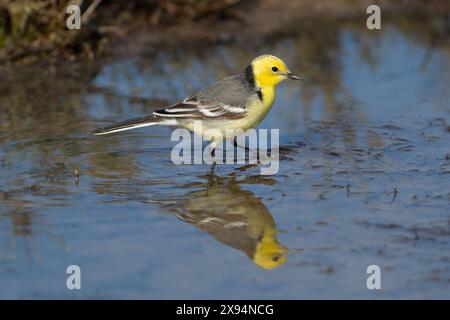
(211, 170)
(213, 166)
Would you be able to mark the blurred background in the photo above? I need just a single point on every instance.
(365, 159)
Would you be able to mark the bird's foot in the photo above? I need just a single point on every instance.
(211, 174)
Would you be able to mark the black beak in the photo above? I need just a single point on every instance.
(292, 76)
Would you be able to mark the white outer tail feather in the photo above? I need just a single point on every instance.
(168, 122)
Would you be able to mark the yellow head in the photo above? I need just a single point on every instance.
(270, 254)
(269, 71)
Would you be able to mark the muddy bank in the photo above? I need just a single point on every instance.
(30, 29)
(30, 32)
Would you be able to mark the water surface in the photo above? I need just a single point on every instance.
(364, 175)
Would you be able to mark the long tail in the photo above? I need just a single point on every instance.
(133, 124)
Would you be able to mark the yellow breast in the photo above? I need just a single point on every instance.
(259, 109)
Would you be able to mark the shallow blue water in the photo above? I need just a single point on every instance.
(364, 178)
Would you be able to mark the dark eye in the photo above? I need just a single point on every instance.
(274, 69)
(275, 258)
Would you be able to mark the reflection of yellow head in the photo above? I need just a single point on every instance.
(270, 254)
(236, 218)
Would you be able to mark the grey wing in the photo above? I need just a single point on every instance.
(227, 99)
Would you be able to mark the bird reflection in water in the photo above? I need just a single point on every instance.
(234, 217)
